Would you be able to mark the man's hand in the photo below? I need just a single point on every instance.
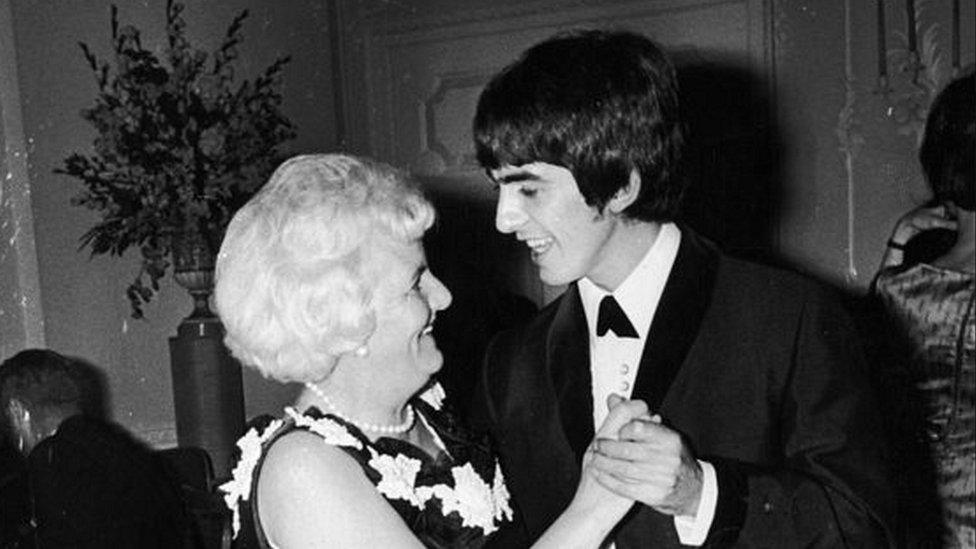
(650, 463)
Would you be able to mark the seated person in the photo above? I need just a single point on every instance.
(92, 484)
(322, 279)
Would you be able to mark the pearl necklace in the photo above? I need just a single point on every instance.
(362, 425)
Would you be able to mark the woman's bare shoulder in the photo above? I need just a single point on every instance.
(302, 461)
(314, 494)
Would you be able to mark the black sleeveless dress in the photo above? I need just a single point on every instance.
(454, 500)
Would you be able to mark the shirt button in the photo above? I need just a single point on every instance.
(624, 368)
(625, 386)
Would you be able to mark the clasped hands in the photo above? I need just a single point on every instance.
(637, 458)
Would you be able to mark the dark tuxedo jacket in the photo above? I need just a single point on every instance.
(94, 486)
(760, 371)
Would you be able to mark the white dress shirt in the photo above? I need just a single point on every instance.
(614, 361)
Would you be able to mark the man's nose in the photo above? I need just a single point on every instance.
(508, 213)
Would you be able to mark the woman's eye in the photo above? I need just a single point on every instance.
(528, 191)
(416, 289)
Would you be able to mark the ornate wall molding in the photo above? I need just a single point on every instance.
(407, 25)
(850, 141)
(394, 97)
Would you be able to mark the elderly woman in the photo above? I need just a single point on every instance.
(322, 280)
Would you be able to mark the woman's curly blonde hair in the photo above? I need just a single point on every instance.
(295, 275)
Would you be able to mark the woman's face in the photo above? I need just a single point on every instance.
(406, 300)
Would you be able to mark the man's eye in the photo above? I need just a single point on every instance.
(528, 191)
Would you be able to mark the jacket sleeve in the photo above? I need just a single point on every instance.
(831, 487)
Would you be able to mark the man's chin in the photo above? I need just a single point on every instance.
(552, 279)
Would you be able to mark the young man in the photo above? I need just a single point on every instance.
(769, 434)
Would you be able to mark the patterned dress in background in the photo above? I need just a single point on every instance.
(933, 309)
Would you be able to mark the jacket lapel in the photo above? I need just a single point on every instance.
(678, 318)
(568, 355)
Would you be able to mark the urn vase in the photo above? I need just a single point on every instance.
(208, 394)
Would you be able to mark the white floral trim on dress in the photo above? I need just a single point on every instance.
(478, 504)
(434, 396)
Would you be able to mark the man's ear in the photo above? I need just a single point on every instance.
(18, 414)
(18, 418)
(626, 195)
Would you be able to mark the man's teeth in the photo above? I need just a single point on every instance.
(427, 330)
(539, 245)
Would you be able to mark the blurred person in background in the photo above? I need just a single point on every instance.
(91, 484)
(928, 303)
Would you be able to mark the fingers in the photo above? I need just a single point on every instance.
(650, 463)
(923, 219)
(647, 428)
(613, 400)
(646, 467)
(620, 487)
(647, 486)
(621, 412)
(643, 442)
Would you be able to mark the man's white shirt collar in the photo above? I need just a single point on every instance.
(639, 293)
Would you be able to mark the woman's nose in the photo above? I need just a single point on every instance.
(508, 212)
(439, 297)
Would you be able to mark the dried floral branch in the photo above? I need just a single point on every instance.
(179, 146)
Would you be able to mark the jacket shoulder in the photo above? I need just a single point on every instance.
(758, 283)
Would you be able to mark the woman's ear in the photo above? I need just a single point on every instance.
(627, 194)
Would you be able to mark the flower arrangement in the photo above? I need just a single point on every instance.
(179, 147)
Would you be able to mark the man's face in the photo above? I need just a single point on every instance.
(542, 205)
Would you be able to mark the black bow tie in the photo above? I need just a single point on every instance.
(613, 318)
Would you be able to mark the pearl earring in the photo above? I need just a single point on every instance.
(361, 351)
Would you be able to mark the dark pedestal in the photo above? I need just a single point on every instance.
(208, 392)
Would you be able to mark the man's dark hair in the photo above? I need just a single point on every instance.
(598, 103)
(947, 149)
(43, 380)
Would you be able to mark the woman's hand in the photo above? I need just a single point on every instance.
(595, 510)
(590, 492)
(921, 219)
(924, 218)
